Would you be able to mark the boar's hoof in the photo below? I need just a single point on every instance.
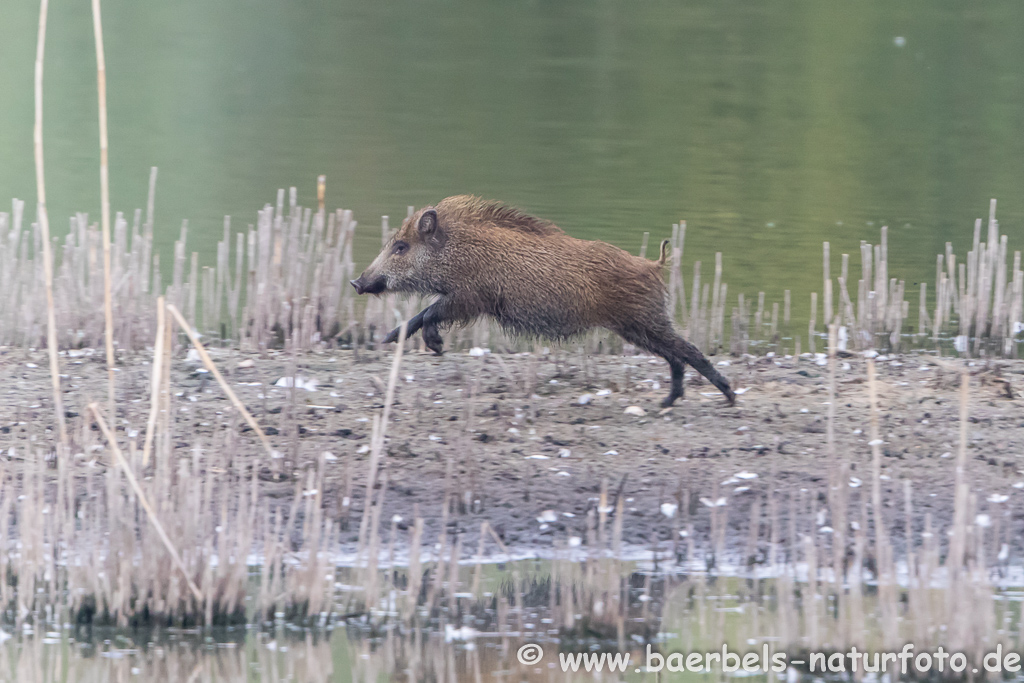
(432, 338)
(392, 336)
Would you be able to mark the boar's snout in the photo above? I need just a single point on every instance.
(365, 285)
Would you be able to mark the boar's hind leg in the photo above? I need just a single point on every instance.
(678, 370)
(679, 352)
(694, 357)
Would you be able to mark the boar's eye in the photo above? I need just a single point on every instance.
(400, 248)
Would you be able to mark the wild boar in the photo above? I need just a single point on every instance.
(484, 258)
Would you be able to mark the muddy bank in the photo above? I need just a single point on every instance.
(526, 442)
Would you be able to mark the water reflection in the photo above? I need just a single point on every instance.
(480, 640)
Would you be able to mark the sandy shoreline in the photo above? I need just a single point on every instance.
(516, 446)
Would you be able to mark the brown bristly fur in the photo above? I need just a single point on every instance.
(483, 258)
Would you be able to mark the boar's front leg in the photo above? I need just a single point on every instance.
(433, 316)
(428, 319)
(432, 338)
(412, 327)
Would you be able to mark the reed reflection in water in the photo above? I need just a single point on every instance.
(674, 613)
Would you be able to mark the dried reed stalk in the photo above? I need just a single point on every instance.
(44, 227)
(108, 305)
(150, 512)
(377, 441)
(157, 376)
(827, 281)
(208, 362)
(961, 453)
(876, 456)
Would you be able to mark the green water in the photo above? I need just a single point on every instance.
(769, 127)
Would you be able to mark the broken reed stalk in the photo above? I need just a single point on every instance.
(208, 362)
(961, 493)
(44, 228)
(393, 378)
(881, 534)
(830, 433)
(961, 453)
(154, 389)
(377, 441)
(150, 512)
(108, 304)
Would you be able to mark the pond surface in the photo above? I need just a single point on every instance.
(769, 128)
(663, 619)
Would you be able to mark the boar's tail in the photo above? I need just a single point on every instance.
(663, 259)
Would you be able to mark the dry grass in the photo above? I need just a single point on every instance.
(285, 278)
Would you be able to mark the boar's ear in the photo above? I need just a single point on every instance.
(430, 230)
(428, 223)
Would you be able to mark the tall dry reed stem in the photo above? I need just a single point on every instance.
(208, 362)
(154, 389)
(44, 228)
(961, 453)
(150, 512)
(108, 304)
(876, 463)
(961, 491)
(377, 443)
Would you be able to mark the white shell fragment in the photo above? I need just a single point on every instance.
(307, 383)
(635, 410)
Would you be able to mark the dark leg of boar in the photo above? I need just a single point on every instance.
(427, 319)
(662, 341)
(412, 327)
(678, 352)
(432, 338)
